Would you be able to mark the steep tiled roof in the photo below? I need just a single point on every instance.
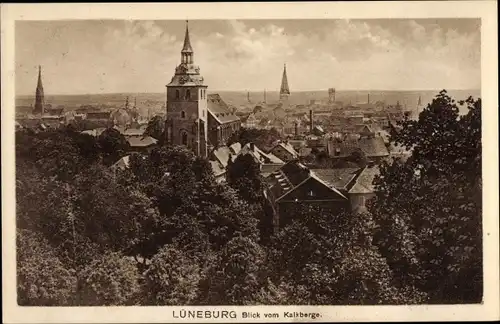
(293, 174)
(288, 147)
(220, 110)
(364, 183)
(372, 147)
(338, 178)
(259, 155)
(216, 105)
(222, 155)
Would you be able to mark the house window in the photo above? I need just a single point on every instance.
(310, 193)
(184, 138)
(188, 94)
(183, 114)
(177, 94)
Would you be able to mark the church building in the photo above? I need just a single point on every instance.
(195, 119)
(187, 114)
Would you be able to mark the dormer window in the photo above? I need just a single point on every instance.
(183, 114)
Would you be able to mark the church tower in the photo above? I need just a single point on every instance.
(39, 97)
(187, 114)
(284, 90)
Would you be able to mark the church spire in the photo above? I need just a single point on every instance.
(187, 50)
(39, 98)
(284, 90)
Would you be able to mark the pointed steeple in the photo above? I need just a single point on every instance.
(39, 97)
(187, 43)
(187, 50)
(284, 90)
(419, 101)
(39, 84)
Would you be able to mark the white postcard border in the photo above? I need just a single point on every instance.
(486, 10)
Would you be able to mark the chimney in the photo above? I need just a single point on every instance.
(296, 128)
(368, 98)
(311, 120)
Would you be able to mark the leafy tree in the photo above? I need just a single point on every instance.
(42, 279)
(237, 278)
(156, 128)
(430, 229)
(328, 258)
(263, 138)
(113, 145)
(57, 153)
(109, 280)
(172, 278)
(244, 176)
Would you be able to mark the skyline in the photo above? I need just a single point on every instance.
(350, 55)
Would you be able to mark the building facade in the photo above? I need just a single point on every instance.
(187, 114)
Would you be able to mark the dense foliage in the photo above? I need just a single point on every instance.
(163, 232)
(430, 230)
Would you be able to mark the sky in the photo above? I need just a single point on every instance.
(111, 56)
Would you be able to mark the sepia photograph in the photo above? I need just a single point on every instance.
(249, 161)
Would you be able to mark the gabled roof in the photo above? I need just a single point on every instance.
(122, 163)
(259, 155)
(364, 182)
(217, 168)
(222, 155)
(235, 147)
(287, 147)
(294, 174)
(371, 147)
(338, 178)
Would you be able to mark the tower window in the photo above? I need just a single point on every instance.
(188, 94)
(203, 112)
(177, 94)
(184, 138)
(183, 114)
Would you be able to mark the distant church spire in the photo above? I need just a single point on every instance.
(284, 90)
(419, 100)
(187, 50)
(39, 98)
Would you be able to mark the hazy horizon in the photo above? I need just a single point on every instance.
(250, 91)
(140, 56)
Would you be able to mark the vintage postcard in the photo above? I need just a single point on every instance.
(250, 162)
